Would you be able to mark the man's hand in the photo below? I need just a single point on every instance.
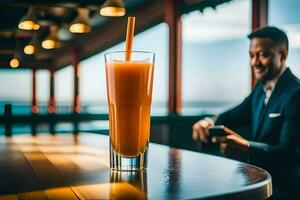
(200, 129)
(233, 145)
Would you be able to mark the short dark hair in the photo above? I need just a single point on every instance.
(278, 36)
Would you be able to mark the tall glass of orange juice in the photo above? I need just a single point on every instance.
(129, 91)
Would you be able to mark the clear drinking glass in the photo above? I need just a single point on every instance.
(129, 91)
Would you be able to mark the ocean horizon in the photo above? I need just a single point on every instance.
(157, 109)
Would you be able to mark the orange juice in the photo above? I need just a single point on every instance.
(129, 89)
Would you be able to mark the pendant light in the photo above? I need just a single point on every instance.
(29, 21)
(15, 61)
(51, 41)
(31, 47)
(113, 8)
(81, 22)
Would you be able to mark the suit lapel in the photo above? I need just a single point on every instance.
(281, 84)
(258, 110)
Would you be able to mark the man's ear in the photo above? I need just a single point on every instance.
(284, 54)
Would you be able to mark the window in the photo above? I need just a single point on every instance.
(43, 89)
(216, 74)
(64, 89)
(43, 85)
(93, 83)
(12, 81)
(285, 15)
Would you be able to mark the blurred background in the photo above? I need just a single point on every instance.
(215, 70)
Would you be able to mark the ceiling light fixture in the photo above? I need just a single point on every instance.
(30, 48)
(81, 22)
(29, 21)
(51, 41)
(14, 63)
(113, 8)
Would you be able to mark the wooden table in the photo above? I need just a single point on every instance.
(67, 166)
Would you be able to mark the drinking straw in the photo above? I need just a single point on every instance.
(129, 37)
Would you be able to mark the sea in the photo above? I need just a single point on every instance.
(157, 109)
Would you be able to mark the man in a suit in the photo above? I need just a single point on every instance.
(273, 111)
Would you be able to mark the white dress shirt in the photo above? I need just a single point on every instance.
(270, 85)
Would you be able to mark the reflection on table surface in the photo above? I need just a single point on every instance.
(66, 166)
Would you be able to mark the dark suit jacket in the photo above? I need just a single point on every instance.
(275, 137)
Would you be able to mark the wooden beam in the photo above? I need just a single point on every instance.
(34, 106)
(76, 98)
(49, 118)
(259, 19)
(191, 5)
(173, 19)
(60, 3)
(6, 51)
(111, 33)
(27, 64)
(259, 13)
(52, 101)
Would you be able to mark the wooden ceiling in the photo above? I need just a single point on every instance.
(106, 31)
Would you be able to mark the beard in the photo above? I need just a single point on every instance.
(266, 73)
(260, 72)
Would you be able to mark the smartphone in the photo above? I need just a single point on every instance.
(216, 131)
